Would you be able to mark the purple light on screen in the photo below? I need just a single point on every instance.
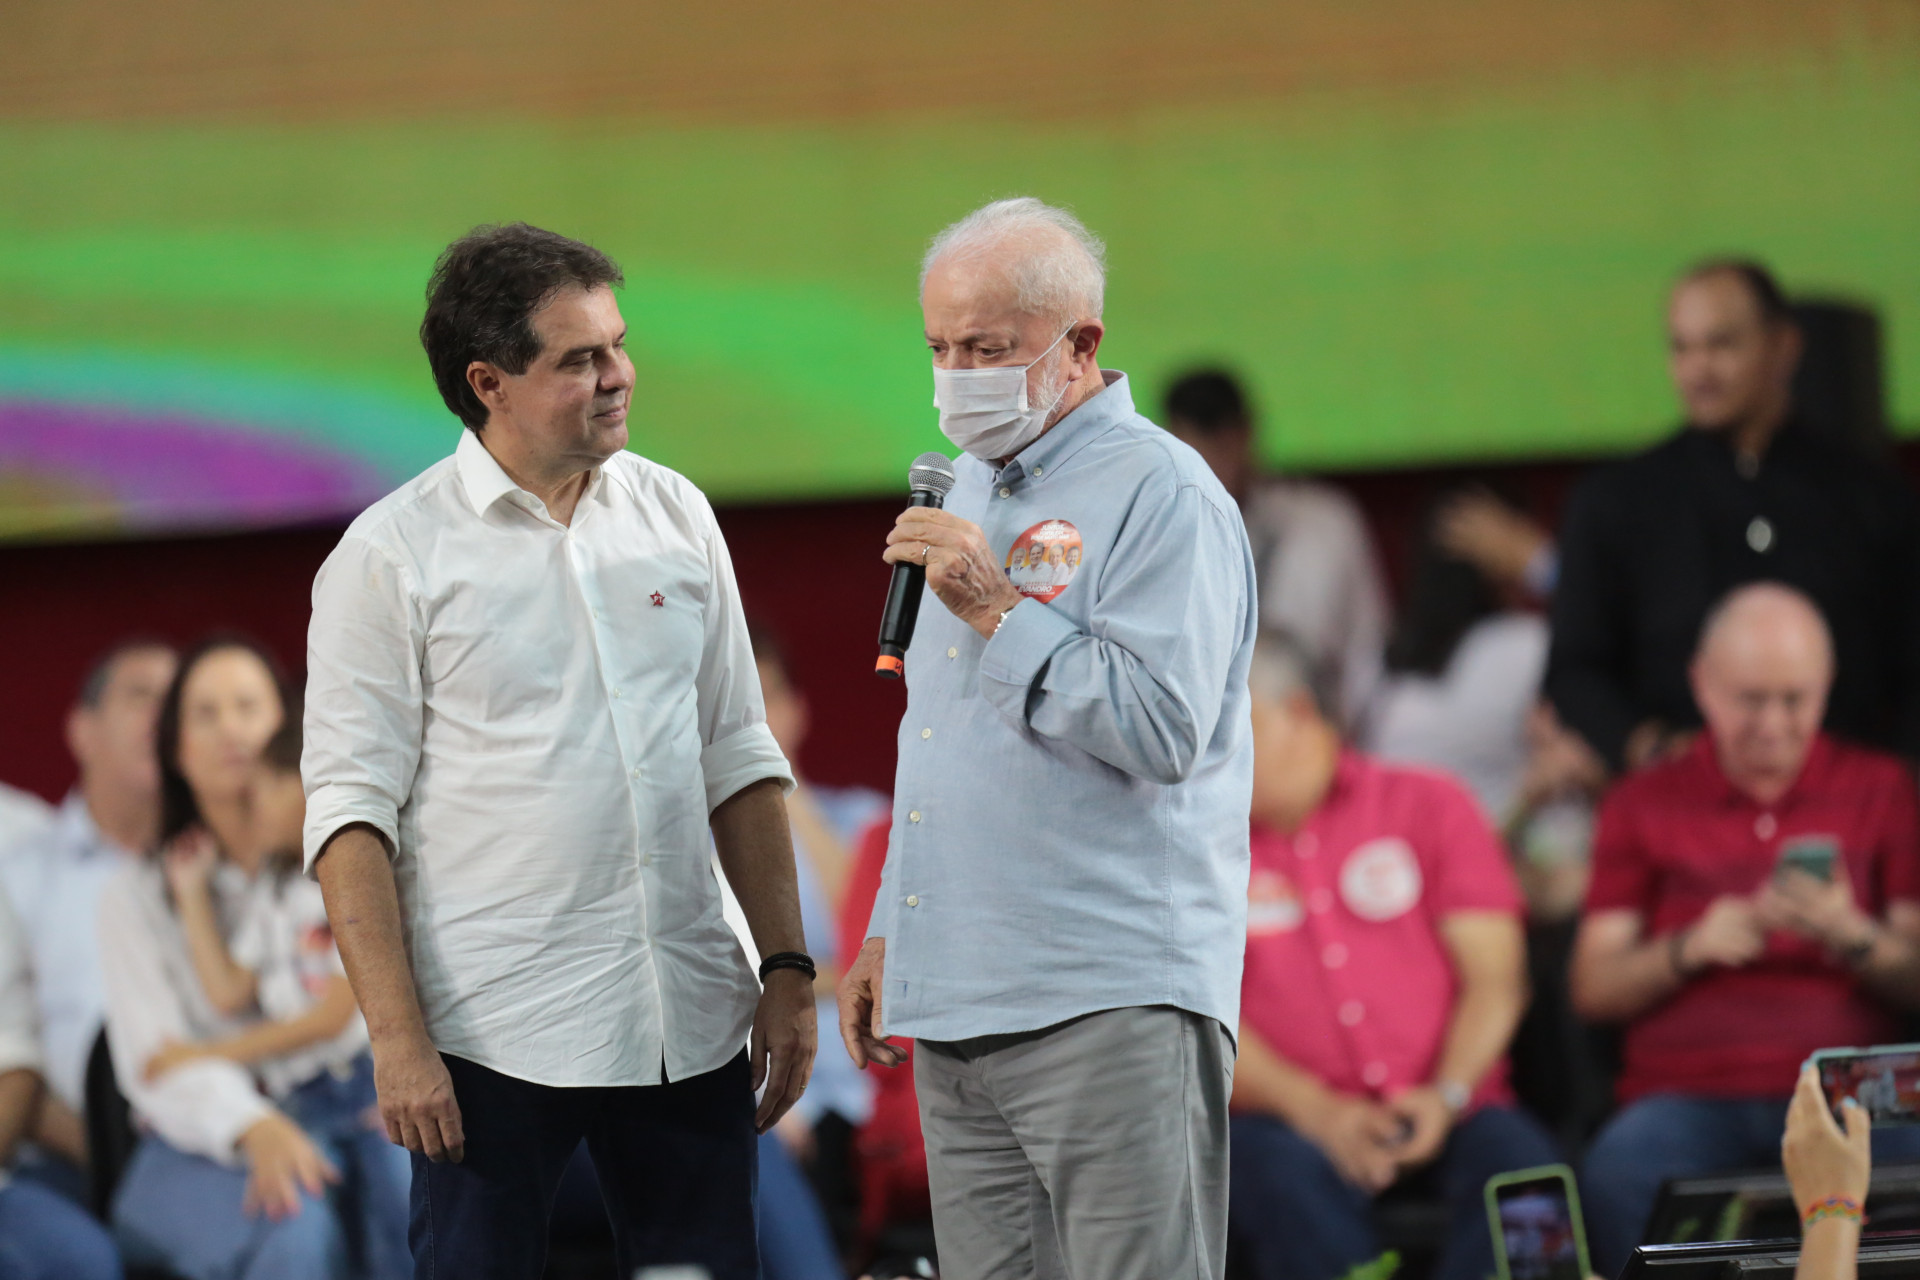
(158, 472)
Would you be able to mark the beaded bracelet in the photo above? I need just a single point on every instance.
(1832, 1207)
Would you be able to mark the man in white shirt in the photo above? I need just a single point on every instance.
(54, 879)
(1320, 580)
(40, 1233)
(530, 694)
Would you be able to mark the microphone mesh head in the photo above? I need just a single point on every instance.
(932, 472)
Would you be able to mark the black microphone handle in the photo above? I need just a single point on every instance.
(903, 603)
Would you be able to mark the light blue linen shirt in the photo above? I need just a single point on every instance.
(1070, 817)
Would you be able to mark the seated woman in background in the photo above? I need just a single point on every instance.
(313, 1055)
(224, 1183)
(1462, 693)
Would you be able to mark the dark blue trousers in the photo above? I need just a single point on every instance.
(677, 1165)
(1291, 1216)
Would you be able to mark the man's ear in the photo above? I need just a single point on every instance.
(79, 733)
(1789, 345)
(1086, 342)
(489, 384)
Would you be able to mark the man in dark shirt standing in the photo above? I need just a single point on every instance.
(1743, 492)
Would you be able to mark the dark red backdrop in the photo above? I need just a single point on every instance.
(811, 572)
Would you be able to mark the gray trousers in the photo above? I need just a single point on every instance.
(1091, 1150)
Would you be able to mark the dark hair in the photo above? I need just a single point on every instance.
(1446, 596)
(93, 685)
(178, 809)
(1208, 400)
(482, 297)
(1768, 296)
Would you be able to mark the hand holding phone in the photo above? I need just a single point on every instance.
(1884, 1081)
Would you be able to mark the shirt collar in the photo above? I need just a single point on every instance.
(80, 833)
(486, 481)
(1708, 760)
(1074, 432)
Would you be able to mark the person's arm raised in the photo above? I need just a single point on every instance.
(1828, 1171)
(190, 861)
(755, 845)
(363, 906)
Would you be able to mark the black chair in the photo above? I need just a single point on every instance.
(111, 1139)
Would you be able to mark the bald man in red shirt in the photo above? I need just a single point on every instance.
(1727, 965)
(1385, 972)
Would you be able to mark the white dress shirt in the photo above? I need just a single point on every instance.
(540, 719)
(154, 997)
(55, 880)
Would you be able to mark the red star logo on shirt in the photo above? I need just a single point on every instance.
(658, 599)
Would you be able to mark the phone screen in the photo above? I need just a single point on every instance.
(1885, 1081)
(1537, 1234)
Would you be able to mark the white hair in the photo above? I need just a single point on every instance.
(1062, 271)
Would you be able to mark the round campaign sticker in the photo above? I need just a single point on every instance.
(1381, 879)
(313, 959)
(1272, 905)
(1043, 560)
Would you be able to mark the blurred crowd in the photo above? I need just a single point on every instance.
(1650, 773)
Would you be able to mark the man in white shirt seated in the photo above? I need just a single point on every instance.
(54, 880)
(1320, 580)
(530, 695)
(41, 1234)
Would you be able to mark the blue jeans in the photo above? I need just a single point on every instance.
(1291, 1216)
(1673, 1136)
(341, 1114)
(44, 1236)
(183, 1214)
(795, 1241)
(676, 1163)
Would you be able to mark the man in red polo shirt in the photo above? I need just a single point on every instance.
(1385, 973)
(1726, 963)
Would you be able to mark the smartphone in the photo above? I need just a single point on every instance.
(1537, 1231)
(1885, 1080)
(1811, 855)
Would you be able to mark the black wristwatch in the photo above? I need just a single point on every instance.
(789, 960)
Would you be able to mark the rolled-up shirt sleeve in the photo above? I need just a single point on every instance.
(736, 747)
(364, 700)
(202, 1108)
(19, 1023)
(1142, 687)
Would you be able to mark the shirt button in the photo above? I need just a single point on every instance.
(596, 613)
(1307, 844)
(953, 653)
(1351, 1012)
(1334, 956)
(1006, 493)
(616, 693)
(913, 899)
(635, 771)
(1320, 901)
(914, 816)
(1764, 826)
(926, 733)
(1038, 472)
(1374, 1074)
(1760, 534)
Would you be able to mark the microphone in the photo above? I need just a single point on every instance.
(930, 478)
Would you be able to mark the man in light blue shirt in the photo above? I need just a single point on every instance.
(1062, 918)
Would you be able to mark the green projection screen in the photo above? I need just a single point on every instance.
(1423, 231)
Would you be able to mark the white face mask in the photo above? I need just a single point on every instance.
(985, 411)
